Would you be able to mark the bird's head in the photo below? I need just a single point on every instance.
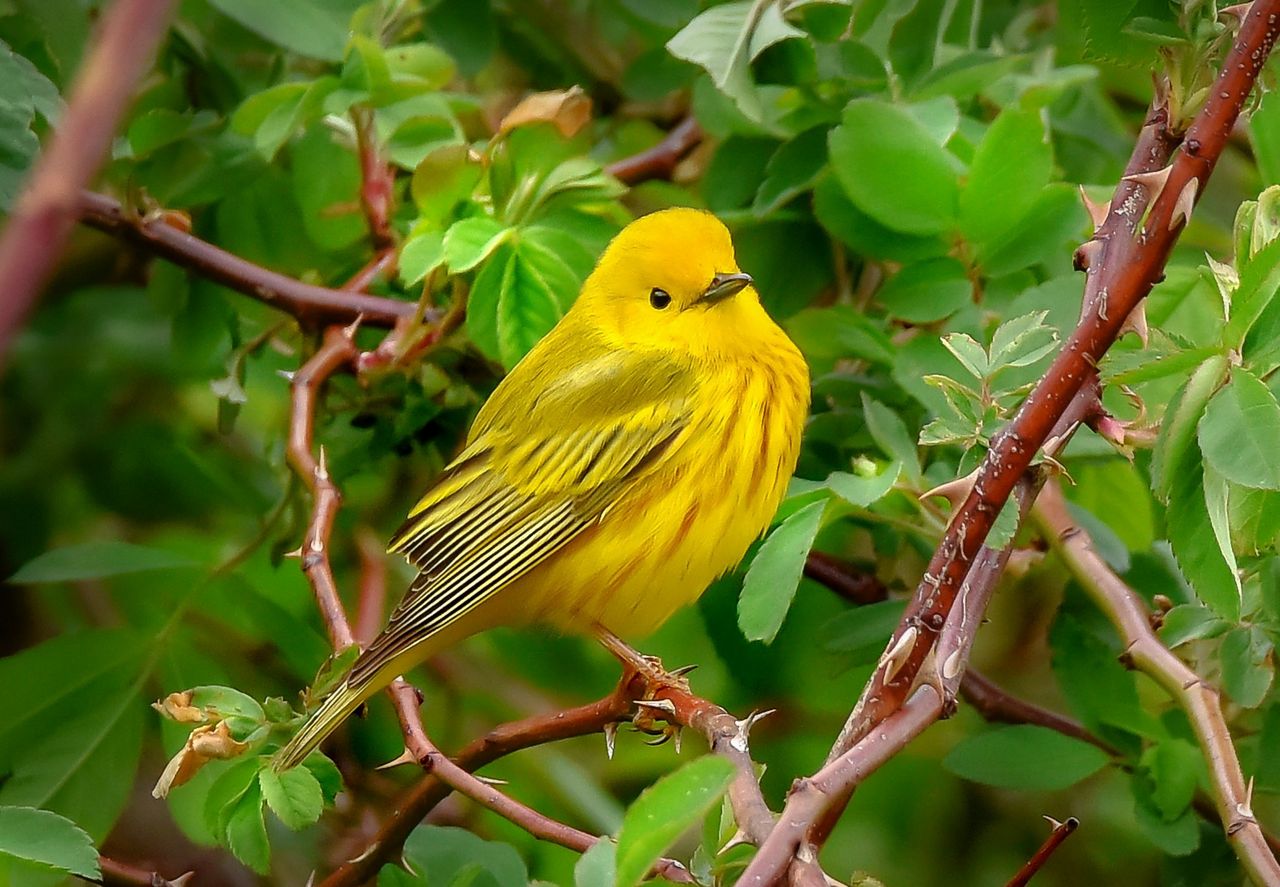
(670, 280)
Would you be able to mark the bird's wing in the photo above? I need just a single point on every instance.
(536, 472)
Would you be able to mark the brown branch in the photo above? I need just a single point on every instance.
(999, 706)
(844, 579)
(660, 161)
(45, 212)
(313, 306)
(430, 790)
(337, 351)
(1146, 653)
(122, 874)
(1061, 831)
(1123, 261)
(377, 181)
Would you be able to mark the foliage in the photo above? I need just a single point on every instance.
(901, 181)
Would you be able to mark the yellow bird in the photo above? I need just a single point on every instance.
(626, 462)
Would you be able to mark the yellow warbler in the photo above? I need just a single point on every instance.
(627, 461)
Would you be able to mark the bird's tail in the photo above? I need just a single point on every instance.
(332, 712)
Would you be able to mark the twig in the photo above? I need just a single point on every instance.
(844, 579)
(431, 759)
(430, 790)
(1146, 653)
(660, 161)
(1061, 831)
(337, 351)
(122, 874)
(46, 211)
(377, 185)
(313, 306)
(999, 706)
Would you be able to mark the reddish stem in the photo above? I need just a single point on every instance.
(46, 211)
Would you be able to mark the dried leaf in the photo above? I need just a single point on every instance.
(569, 109)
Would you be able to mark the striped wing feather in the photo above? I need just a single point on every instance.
(532, 477)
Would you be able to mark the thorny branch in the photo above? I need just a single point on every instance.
(660, 161)
(45, 213)
(312, 306)
(1147, 654)
(1123, 261)
(1061, 831)
(121, 874)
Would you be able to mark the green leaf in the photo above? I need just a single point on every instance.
(724, 40)
(1174, 452)
(1011, 166)
(863, 234)
(1190, 622)
(1216, 491)
(1100, 690)
(597, 866)
(1253, 301)
(469, 242)
(444, 178)
(293, 795)
(1239, 432)
(1021, 341)
(1247, 669)
(247, 831)
(421, 255)
(442, 854)
(326, 183)
(972, 356)
(24, 92)
(927, 291)
(1043, 235)
(859, 635)
(863, 491)
(1267, 769)
(96, 560)
(223, 796)
(893, 170)
(1195, 544)
(891, 435)
(665, 810)
(793, 169)
(1174, 765)
(775, 571)
(1025, 757)
(313, 28)
(47, 840)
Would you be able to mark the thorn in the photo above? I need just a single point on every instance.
(297, 552)
(1097, 211)
(663, 705)
(350, 329)
(405, 757)
(322, 467)
(954, 491)
(1084, 255)
(1136, 322)
(1239, 11)
(897, 655)
(1053, 823)
(682, 670)
(610, 738)
(490, 780)
(951, 666)
(287, 375)
(739, 838)
(1153, 181)
(182, 880)
(739, 741)
(676, 737)
(1186, 203)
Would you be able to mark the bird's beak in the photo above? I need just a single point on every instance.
(723, 286)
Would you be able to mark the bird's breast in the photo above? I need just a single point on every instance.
(691, 519)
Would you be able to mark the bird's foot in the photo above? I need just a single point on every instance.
(653, 685)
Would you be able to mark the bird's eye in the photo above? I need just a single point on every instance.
(659, 298)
